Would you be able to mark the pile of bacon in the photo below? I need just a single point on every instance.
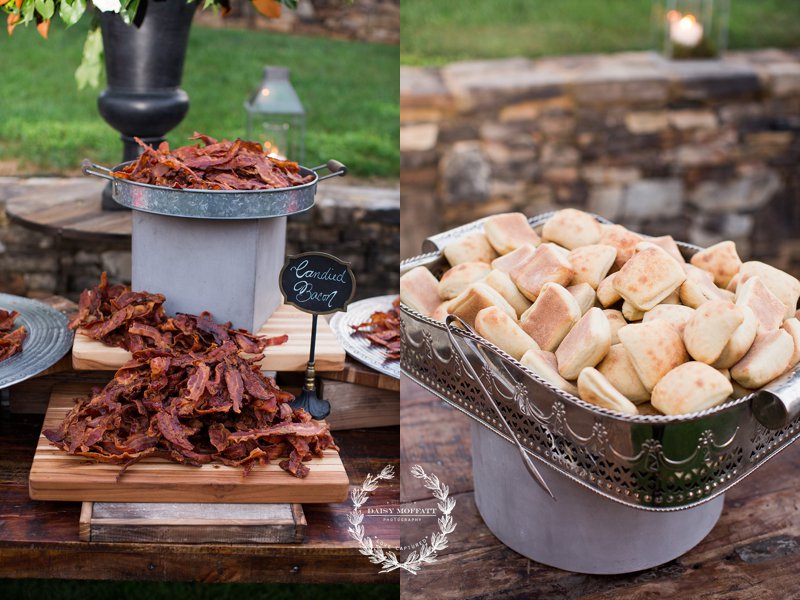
(225, 165)
(383, 329)
(11, 338)
(193, 392)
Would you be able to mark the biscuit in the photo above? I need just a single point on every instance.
(699, 287)
(551, 317)
(767, 358)
(607, 293)
(545, 366)
(622, 239)
(616, 321)
(740, 342)
(768, 309)
(571, 228)
(419, 290)
(503, 331)
(460, 277)
(509, 231)
(585, 345)
(710, 328)
(655, 349)
(785, 287)
(512, 260)
(596, 389)
(441, 312)
(676, 315)
(667, 243)
(591, 263)
(618, 368)
(501, 281)
(474, 299)
(584, 295)
(631, 313)
(720, 260)
(792, 327)
(474, 247)
(690, 387)
(546, 266)
(648, 277)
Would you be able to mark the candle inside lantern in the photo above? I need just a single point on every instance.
(684, 29)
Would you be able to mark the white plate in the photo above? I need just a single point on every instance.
(358, 346)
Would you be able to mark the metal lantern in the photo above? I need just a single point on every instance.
(276, 117)
(691, 29)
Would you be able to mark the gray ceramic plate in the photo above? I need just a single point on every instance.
(47, 341)
(358, 346)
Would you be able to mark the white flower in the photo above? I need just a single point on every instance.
(107, 5)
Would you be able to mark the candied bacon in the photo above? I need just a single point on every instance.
(11, 338)
(136, 321)
(383, 329)
(193, 393)
(225, 165)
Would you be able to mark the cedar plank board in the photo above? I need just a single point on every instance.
(88, 354)
(56, 475)
(192, 523)
(752, 552)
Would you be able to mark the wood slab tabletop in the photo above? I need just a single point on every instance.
(752, 553)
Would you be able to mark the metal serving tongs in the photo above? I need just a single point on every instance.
(526, 459)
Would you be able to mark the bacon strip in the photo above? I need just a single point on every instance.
(10, 338)
(225, 165)
(383, 329)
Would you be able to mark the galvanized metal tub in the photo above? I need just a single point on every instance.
(212, 250)
(594, 459)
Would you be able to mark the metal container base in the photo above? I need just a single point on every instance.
(229, 268)
(580, 530)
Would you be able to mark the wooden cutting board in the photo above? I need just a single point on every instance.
(91, 355)
(192, 523)
(56, 475)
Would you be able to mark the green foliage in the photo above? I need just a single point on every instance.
(350, 91)
(434, 33)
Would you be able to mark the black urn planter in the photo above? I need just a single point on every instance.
(144, 67)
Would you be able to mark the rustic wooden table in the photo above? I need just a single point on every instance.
(753, 551)
(40, 539)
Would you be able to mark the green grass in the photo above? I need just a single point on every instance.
(434, 33)
(349, 89)
(102, 590)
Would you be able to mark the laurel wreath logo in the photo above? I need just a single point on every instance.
(386, 558)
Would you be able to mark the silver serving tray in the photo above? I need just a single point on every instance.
(358, 346)
(658, 463)
(215, 204)
(48, 339)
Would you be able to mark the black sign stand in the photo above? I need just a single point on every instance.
(316, 283)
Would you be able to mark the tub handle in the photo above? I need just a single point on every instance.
(89, 168)
(526, 459)
(778, 404)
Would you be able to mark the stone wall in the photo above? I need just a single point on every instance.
(702, 150)
(357, 224)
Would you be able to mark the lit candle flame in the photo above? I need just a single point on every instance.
(684, 29)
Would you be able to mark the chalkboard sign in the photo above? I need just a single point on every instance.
(317, 283)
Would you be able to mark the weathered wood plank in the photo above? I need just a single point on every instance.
(192, 523)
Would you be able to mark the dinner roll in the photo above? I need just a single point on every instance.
(721, 260)
(460, 277)
(655, 348)
(419, 290)
(622, 239)
(585, 345)
(509, 231)
(618, 368)
(546, 266)
(596, 389)
(474, 247)
(648, 277)
(710, 328)
(571, 228)
(690, 387)
(551, 317)
(503, 331)
(767, 358)
(545, 366)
